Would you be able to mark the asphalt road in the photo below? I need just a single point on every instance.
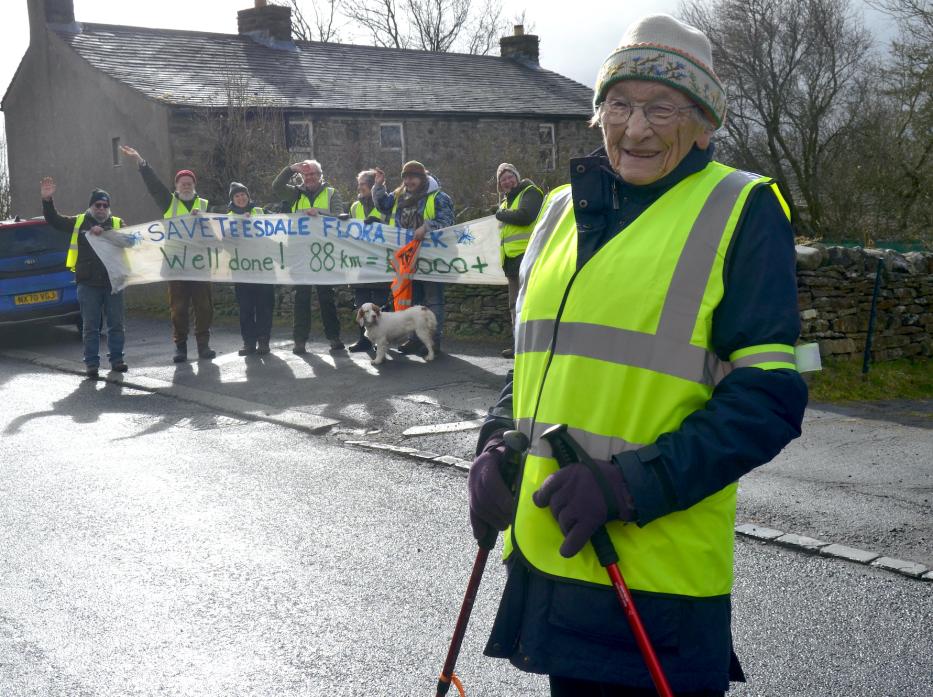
(151, 547)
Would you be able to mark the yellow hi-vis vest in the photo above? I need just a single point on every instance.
(621, 352)
(513, 239)
(357, 211)
(429, 212)
(255, 210)
(199, 204)
(321, 201)
(71, 261)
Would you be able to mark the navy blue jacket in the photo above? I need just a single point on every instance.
(560, 628)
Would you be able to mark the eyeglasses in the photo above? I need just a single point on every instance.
(617, 112)
(101, 205)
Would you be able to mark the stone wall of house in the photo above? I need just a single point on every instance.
(835, 287)
(463, 152)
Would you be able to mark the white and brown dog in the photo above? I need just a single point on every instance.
(385, 328)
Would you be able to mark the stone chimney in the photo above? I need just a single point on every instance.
(520, 46)
(42, 12)
(267, 21)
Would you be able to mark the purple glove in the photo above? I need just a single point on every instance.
(491, 502)
(578, 503)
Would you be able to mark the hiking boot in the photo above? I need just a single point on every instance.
(299, 349)
(119, 367)
(508, 353)
(91, 372)
(336, 345)
(206, 352)
(362, 345)
(263, 348)
(181, 352)
(247, 350)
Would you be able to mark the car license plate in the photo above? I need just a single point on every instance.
(32, 298)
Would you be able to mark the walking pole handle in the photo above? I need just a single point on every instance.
(516, 443)
(566, 451)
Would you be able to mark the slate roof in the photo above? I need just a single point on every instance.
(192, 68)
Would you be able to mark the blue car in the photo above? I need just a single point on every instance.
(35, 284)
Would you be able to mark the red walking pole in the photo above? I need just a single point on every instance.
(517, 443)
(567, 451)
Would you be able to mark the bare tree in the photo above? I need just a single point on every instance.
(431, 25)
(6, 201)
(246, 143)
(792, 73)
(907, 104)
(381, 19)
(321, 25)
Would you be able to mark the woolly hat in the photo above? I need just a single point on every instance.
(236, 187)
(506, 167)
(98, 195)
(662, 49)
(416, 168)
(185, 173)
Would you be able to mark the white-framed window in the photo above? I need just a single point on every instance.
(299, 138)
(391, 137)
(547, 148)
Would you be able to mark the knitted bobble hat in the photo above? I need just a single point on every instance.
(660, 48)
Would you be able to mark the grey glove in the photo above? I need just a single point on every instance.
(580, 504)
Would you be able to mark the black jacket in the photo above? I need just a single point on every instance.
(89, 269)
(528, 209)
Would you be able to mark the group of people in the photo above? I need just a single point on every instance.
(418, 204)
(657, 321)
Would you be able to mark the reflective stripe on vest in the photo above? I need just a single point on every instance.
(620, 350)
(71, 261)
(513, 239)
(357, 211)
(322, 200)
(429, 212)
(172, 211)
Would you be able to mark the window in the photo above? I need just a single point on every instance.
(115, 151)
(299, 139)
(547, 151)
(391, 136)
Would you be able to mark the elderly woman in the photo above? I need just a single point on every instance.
(657, 319)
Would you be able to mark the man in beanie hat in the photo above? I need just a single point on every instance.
(95, 294)
(313, 196)
(183, 296)
(657, 319)
(256, 300)
(418, 204)
(520, 203)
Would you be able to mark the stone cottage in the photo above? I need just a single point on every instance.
(82, 90)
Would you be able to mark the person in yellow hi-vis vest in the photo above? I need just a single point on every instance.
(518, 211)
(657, 318)
(313, 197)
(184, 297)
(95, 294)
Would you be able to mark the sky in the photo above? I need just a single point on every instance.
(574, 42)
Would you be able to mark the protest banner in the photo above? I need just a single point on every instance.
(293, 249)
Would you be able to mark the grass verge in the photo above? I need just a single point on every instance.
(842, 381)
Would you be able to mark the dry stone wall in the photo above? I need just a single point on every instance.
(835, 287)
